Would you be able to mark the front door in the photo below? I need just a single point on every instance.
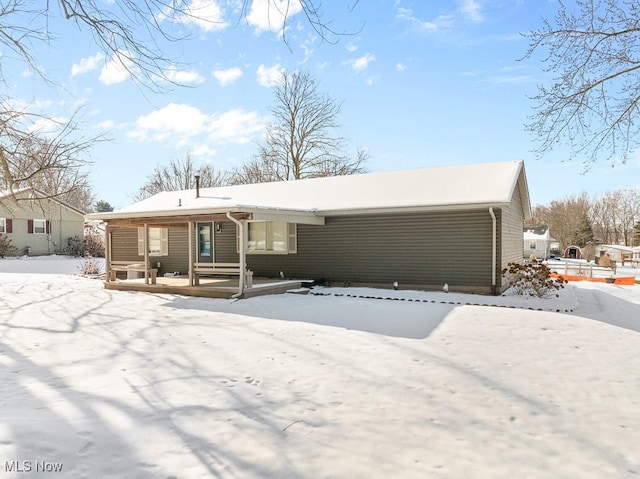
(205, 242)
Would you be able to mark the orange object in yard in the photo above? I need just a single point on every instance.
(624, 281)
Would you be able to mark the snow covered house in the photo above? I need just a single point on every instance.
(38, 225)
(537, 241)
(617, 253)
(458, 225)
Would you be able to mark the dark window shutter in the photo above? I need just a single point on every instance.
(9, 225)
(30, 226)
(48, 227)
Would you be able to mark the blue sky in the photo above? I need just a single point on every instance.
(423, 84)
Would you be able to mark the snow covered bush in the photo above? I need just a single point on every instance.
(6, 248)
(531, 279)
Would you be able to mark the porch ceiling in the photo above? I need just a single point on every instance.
(182, 220)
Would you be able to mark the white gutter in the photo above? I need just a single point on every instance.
(243, 259)
(493, 250)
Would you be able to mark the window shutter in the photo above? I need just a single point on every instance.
(48, 227)
(9, 225)
(164, 242)
(30, 227)
(292, 238)
(140, 241)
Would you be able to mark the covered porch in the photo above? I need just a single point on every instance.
(194, 255)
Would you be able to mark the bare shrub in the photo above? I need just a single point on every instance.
(532, 279)
(94, 245)
(90, 267)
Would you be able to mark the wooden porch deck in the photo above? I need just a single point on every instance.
(208, 287)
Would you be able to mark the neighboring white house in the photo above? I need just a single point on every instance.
(36, 224)
(618, 253)
(537, 241)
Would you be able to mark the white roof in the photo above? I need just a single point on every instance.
(531, 235)
(627, 249)
(454, 187)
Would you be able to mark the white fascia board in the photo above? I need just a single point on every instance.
(413, 209)
(264, 214)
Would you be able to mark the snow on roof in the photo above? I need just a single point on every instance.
(453, 186)
(616, 246)
(530, 235)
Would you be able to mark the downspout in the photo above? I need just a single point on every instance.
(242, 252)
(494, 245)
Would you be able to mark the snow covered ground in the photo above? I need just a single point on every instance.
(341, 384)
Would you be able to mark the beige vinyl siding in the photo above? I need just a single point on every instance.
(421, 249)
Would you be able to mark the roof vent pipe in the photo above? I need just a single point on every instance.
(197, 186)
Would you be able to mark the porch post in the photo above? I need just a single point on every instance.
(146, 253)
(190, 228)
(242, 240)
(107, 252)
(243, 254)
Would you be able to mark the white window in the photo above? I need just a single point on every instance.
(40, 226)
(158, 241)
(272, 237)
(3, 225)
(533, 245)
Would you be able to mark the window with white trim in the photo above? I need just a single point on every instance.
(3, 225)
(272, 237)
(533, 245)
(158, 241)
(39, 227)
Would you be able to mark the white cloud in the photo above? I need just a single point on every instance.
(115, 71)
(48, 126)
(228, 76)
(184, 124)
(236, 126)
(86, 64)
(269, 76)
(105, 125)
(184, 77)
(174, 119)
(361, 63)
(440, 22)
(471, 9)
(200, 151)
(205, 14)
(270, 15)
(401, 67)
(351, 47)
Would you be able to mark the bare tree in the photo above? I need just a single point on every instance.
(51, 161)
(566, 218)
(615, 214)
(301, 141)
(179, 175)
(133, 33)
(592, 102)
